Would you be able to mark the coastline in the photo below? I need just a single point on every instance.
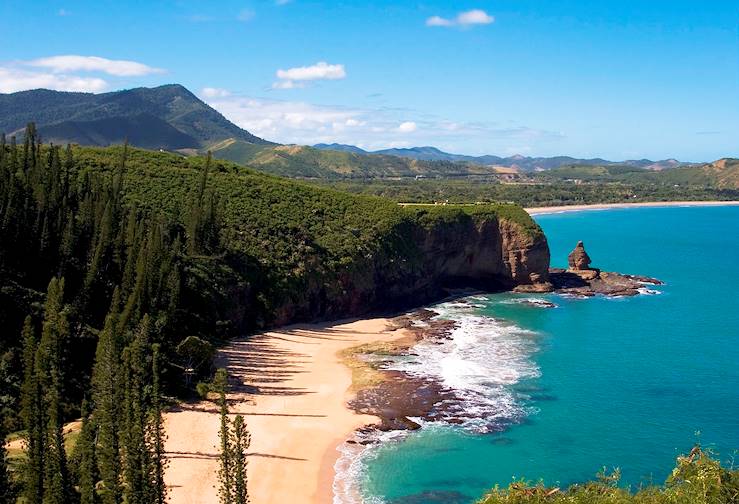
(292, 386)
(607, 206)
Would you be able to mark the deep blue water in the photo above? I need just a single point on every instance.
(628, 383)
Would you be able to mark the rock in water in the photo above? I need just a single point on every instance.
(578, 258)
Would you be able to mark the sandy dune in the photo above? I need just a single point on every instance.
(292, 390)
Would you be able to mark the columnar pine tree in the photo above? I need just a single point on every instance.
(241, 442)
(106, 394)
(136, 457)
(87, 470)
(33, 416)
(225, 473)
(49, 369)
(156, 432)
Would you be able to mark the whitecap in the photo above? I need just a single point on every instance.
(479, 361)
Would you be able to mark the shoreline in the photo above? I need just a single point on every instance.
(608, 206)
(293, 387)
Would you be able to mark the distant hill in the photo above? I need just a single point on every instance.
(166, 117)
(332, 161)
(721, 174)
(521, 163)
(308, 162)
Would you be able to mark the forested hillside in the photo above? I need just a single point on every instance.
(166, 117)
(119, 266)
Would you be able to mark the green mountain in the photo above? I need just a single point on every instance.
(166, 117)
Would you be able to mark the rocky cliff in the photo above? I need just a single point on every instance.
(424, 257)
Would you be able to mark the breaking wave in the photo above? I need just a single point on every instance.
(480, 361)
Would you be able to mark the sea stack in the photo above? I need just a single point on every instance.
(578, 258)
(579, 263)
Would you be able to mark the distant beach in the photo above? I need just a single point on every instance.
(606, 206)
(292, 388)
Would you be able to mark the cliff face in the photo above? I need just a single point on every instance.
(488, 253)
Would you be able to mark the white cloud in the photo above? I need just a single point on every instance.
(282, 2)
(319, 71)
(246, 15)
(63, 12)
(211, 92)
(297, 76)
(72, 63)
(13, 79)
(438, 21)
(475, 16)
(407, 127)
(464, 19)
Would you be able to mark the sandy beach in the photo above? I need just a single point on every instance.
(604, 206)
(292, 389)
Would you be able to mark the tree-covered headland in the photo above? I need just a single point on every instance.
(121, 269)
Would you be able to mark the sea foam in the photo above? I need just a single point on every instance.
(480, 361)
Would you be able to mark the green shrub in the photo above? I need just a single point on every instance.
(697, 479)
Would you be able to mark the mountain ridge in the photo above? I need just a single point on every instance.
(523, 163)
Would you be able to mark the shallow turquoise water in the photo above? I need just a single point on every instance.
(621, 382)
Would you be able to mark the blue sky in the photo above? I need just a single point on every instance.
(615, 79)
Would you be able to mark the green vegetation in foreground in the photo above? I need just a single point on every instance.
(696, 479)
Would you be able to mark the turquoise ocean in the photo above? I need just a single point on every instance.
(558, 393)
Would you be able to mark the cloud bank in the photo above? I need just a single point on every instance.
(63, 73)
